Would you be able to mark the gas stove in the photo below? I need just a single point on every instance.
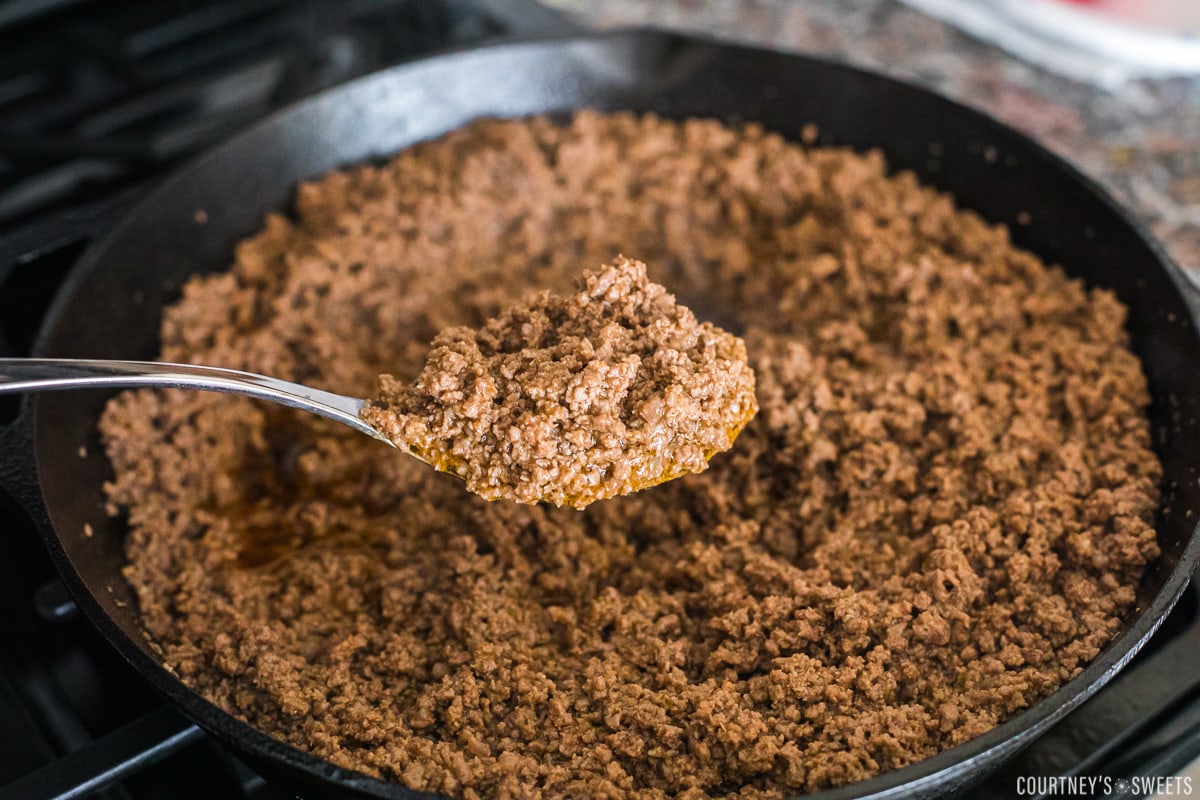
(98, 100)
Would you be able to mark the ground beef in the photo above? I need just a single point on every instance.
(571, 399)
(938, 516)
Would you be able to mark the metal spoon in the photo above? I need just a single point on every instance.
(51, 374)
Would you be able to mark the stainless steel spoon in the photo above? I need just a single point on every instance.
(52, 374)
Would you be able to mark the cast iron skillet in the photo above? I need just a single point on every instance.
(110, 306)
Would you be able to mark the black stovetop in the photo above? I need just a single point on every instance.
(100, 98)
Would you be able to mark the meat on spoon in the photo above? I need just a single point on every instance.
(566, 400)
(573, 399)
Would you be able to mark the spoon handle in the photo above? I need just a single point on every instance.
(52, 374)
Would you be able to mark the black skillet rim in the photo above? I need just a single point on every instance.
(932, 774)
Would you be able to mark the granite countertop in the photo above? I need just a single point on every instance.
(1141, 141)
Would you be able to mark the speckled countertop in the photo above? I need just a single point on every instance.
(1141, 141)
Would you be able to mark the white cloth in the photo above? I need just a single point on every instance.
(1080, 43)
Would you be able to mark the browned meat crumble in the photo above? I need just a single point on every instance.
(571, 399)
(938, 516)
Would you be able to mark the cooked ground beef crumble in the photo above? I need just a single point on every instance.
(938, 516)
(570, 399)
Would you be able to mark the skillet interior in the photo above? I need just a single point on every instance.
(112, 304)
